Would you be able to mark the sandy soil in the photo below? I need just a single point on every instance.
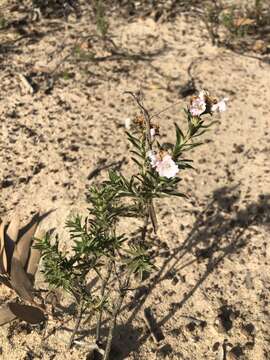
(211, 294)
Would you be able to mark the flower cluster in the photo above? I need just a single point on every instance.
(163, 164)
(205, 104)
(162, 161)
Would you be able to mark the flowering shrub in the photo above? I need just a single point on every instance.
(99, 249)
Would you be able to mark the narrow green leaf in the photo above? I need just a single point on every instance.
(137, 162)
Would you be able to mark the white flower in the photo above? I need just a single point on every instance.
(164, 165)
(167, 167)
(153, 158)
(128, 123)
(198, 105)
(220, 106)
(152, 133)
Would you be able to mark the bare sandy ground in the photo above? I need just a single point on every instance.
(211, 294)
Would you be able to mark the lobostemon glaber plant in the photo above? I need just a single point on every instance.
(100, 251)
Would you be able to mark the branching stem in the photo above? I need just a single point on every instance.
(147, 119)
(117, 308)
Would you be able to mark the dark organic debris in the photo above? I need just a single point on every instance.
(250, 329)
(6, 183)
(58, 8)
(226, 317)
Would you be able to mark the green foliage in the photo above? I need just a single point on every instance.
(83, 55)
(58, 269)
(138, 260)
(101, 19)
(95, 239)
(98, 248)
(3, 22)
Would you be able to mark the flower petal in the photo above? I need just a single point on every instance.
(220, 106)
(197, 107)
(167, 167)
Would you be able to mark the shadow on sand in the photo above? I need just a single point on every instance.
(219, 231)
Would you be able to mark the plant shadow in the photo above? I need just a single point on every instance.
(218, 232)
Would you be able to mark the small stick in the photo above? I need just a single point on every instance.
(165, 109)
(25, 84)
(146, 116)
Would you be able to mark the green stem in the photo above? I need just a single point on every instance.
(103, 288)
(144, 228)
(120, 299)
(116, 311)
(77, 324)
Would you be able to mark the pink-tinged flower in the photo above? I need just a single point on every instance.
(206, 104)
(220, 106)
(198, 104)
(164, 165)
(167, 167)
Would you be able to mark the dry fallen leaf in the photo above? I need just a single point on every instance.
(33, 261)
(13, 228)
(25, 239)
(3, 256)
(18, 265)
(6, 315)
(19, 281)
(28, 313)
(243, 22)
